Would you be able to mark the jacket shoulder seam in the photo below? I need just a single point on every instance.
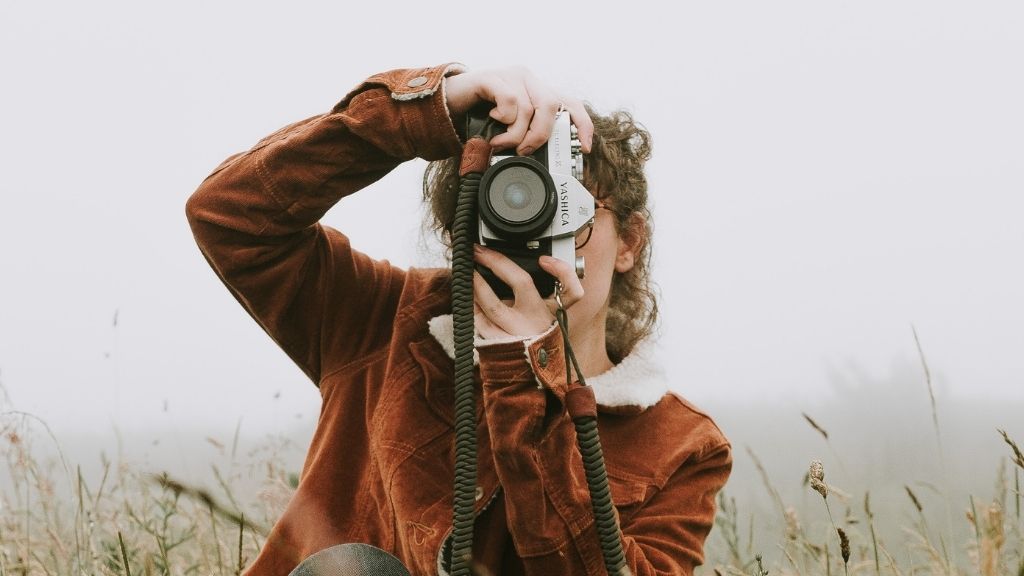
(716, 439)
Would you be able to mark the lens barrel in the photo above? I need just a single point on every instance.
(517, 198)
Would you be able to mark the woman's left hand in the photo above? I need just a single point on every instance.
(527, 314)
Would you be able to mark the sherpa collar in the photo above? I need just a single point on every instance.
(637, 381)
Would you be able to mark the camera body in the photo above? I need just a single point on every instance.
(529, 206)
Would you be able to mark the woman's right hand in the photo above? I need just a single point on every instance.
(522, 102)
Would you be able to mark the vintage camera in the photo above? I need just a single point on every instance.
(533, 205)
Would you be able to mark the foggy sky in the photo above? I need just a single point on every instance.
(827, 175)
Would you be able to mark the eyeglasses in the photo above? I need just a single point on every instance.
(583, 234)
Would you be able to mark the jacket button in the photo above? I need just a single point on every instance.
(479, 493)
(416, 82)
(542, 358)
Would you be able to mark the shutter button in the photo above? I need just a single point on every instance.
(542, 358)
(479, 493)
(417, 82)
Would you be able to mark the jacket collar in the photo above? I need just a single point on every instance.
(636, 382)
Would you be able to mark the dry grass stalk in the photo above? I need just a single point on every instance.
(728, 526)
(793, 529)
(53, 522)
(828, 442)
(760, 567)
(972, 519)
(241, 538)
(938, 442)
(919, 541)
(767, 482)
(207, 500)
(928, 381)
(941, 562)
(992, 541)
(1016, 491)
(789, 557)
(1018, 457)
(844, 546)
(124, 554)
(871, 526)
(815, 425)
(816, 473)
(56, 524)
(913, 498)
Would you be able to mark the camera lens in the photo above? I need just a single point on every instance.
(517, 198)
(517, 195)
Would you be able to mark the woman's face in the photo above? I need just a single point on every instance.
(606, 253)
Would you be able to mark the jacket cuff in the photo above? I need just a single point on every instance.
(418, 93)
(541, 356)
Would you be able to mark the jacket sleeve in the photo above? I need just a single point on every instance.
(255, 218)
(546, 496)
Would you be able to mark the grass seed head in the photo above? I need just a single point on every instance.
(815, 425)
(913, 498)
(1018, 457)
(792, 524)
(817, 477)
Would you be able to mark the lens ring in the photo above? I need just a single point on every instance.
(517, 199)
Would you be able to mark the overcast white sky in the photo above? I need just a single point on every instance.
(826, 175)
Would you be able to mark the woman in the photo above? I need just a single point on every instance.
(377, 341)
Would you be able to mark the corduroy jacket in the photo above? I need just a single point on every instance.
(376, 339)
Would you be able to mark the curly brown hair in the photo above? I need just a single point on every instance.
(613, 172)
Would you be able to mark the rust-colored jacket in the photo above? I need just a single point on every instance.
(373, 338)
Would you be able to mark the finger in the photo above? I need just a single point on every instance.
(520, 123)
(516, 130)
(484, 326)
(545, 109)
(572, 288)
(580, 119)
(484, 299)
(506, 101)
(519, 280)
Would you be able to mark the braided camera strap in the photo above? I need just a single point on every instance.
(582, 408)
(474, 161)
(580, 402)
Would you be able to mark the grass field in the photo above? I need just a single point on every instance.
(112, 515)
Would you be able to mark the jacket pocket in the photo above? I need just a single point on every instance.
(628, 493)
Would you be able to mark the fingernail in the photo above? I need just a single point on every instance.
(526, 151)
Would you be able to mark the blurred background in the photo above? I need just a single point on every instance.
(828, 179)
